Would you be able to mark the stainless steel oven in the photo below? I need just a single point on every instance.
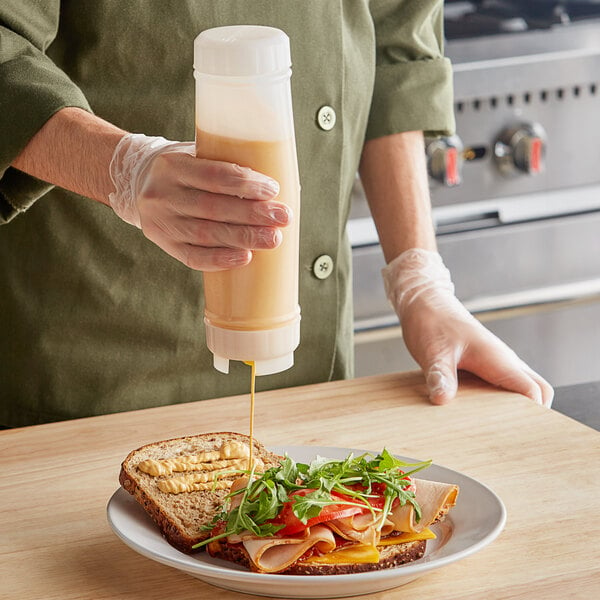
(516, 193)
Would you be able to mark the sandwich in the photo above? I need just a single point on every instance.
(328, 517)
(271, 514)
(183, 483)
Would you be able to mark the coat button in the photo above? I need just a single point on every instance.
(326, 118)
(323, 266)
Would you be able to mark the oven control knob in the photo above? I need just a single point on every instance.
(444, 159)
(521, 149)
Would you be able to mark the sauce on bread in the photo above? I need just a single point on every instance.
(211, 470)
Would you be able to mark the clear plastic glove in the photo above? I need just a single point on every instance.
(443, 336)
(209, 215)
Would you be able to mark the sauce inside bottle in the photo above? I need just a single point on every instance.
(264, 293)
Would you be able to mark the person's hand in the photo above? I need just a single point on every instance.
(443, 336)
(209, 215)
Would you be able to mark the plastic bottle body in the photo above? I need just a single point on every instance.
(252, 312)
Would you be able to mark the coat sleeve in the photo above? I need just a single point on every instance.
(32, 89)
(413, 79)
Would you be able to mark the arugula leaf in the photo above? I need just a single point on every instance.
(354, 476)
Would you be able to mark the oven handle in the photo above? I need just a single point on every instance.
(565, 292)
(489, 307)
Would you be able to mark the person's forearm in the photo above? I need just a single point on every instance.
(73, 150)
(210, 215)
(393, 172)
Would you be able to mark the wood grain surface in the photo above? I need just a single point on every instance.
(56, 480)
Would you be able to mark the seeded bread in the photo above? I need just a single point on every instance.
(181, 517)
(390, 556)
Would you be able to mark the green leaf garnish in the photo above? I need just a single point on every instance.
(263, 499)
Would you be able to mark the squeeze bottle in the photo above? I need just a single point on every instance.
(244, 116)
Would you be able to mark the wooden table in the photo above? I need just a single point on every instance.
(56, 480)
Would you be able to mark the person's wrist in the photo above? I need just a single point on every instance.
(130, 159)
(412, 274)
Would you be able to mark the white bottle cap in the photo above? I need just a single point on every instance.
(271, 350)
(242, 51)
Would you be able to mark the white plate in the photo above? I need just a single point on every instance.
(475, 521)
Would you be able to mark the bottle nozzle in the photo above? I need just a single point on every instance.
(271, 350)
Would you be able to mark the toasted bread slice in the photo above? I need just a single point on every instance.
(182, 516)
(390, 556)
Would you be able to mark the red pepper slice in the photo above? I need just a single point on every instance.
(333, 511)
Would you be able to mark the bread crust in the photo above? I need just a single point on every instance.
(180, 530)
(390, 556)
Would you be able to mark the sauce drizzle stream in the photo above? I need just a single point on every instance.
(252, 390)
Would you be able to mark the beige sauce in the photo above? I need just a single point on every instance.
(266, 295)
(212, 470)
(252, 397)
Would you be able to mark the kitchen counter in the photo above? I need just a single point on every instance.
(57, 479)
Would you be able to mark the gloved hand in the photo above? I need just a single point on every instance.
(443, 336)
(209, 215)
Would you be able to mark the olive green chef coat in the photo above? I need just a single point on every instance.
(95, 318)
